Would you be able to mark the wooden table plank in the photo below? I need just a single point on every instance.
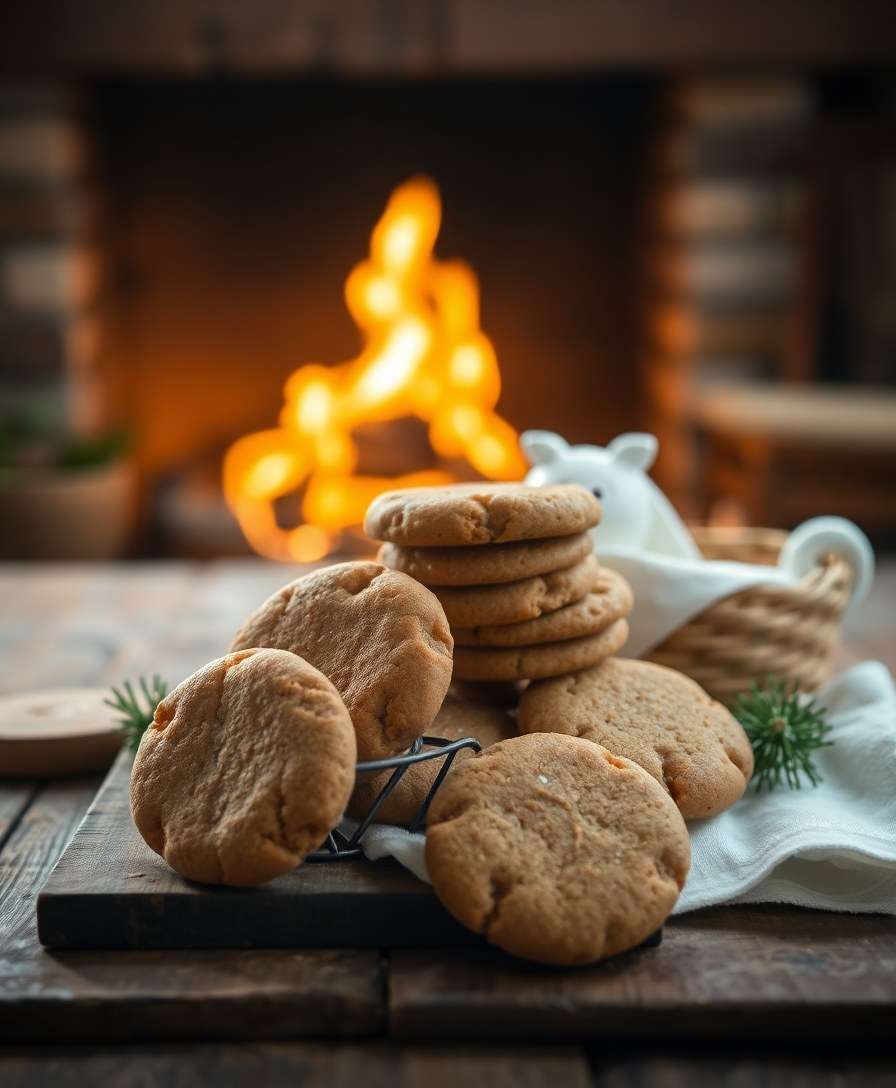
(83, 623)
(377, 1065)
(15, 797)
(739, 971)
(109, 890)
(869, 632)
(307, 1064)
(383, 1066)
(813, 1068)
(765, 971)
(127, 996)
(98, 623)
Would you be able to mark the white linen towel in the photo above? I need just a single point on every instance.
(670, 590)
(832, 847)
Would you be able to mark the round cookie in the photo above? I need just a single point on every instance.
(513, 602)
(611, 600)
(382, 639)
(480, 513)
(485, 566)
(246, 767)
(555, 850)
(458, 718)
(656, 717)
(533, 662)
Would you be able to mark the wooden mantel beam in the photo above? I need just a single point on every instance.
(54, 38)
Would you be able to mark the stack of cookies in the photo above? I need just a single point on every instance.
(514, 569)
(564, 840)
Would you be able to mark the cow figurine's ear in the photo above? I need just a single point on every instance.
(635, 450)
(542, 447)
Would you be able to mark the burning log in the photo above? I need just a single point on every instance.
(424, 356)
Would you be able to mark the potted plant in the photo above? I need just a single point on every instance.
(62, 495)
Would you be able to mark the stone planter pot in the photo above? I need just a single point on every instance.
(84, 513)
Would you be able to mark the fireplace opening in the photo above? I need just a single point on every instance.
(233, 211)
(687, 235)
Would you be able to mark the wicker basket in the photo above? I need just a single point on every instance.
(787, 632)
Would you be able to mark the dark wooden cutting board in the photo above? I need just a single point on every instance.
(109, 890)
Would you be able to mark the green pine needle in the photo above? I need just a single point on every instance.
(137, 709)
(784, 728)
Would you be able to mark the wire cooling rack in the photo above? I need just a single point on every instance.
(339, 846)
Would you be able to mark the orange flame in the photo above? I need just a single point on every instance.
(424, 355)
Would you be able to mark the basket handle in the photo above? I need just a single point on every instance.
(818, 537)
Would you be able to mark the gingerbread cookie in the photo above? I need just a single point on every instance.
(381, 637)
(556, 850)
(532, 662)
(655, 716)
(513, 602)
(480, 513)
(248, 764)
(457, 719)
(611, 600)
(485, 566)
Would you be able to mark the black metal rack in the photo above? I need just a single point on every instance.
(339, 846)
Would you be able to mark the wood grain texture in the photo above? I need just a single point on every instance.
(776, 973)
(770, 972)
(15, 796)
(68, 624)
(109, 890)
(307, 1065)
(745, 1069)
(84, 996)
(35, 842)
(439, 37)
(71, 624)
(313, 1065)
(870, 631)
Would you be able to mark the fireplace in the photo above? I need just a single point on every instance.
(635, 225)
(236, 209)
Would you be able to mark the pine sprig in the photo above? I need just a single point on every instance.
(784, 728)
(137, 708)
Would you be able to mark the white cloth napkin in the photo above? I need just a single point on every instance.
(832, 847)
(671, 587)
(670, 590)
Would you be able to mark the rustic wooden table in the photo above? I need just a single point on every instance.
(761, 995)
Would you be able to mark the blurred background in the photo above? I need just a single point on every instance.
(682, 218)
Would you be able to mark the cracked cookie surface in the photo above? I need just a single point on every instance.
(480, 513)
(486, 566)
(378, 635)
(245, 768)
(458, 718)
(514, 602)
(610, 600)
(555, 850)
(655, 716)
